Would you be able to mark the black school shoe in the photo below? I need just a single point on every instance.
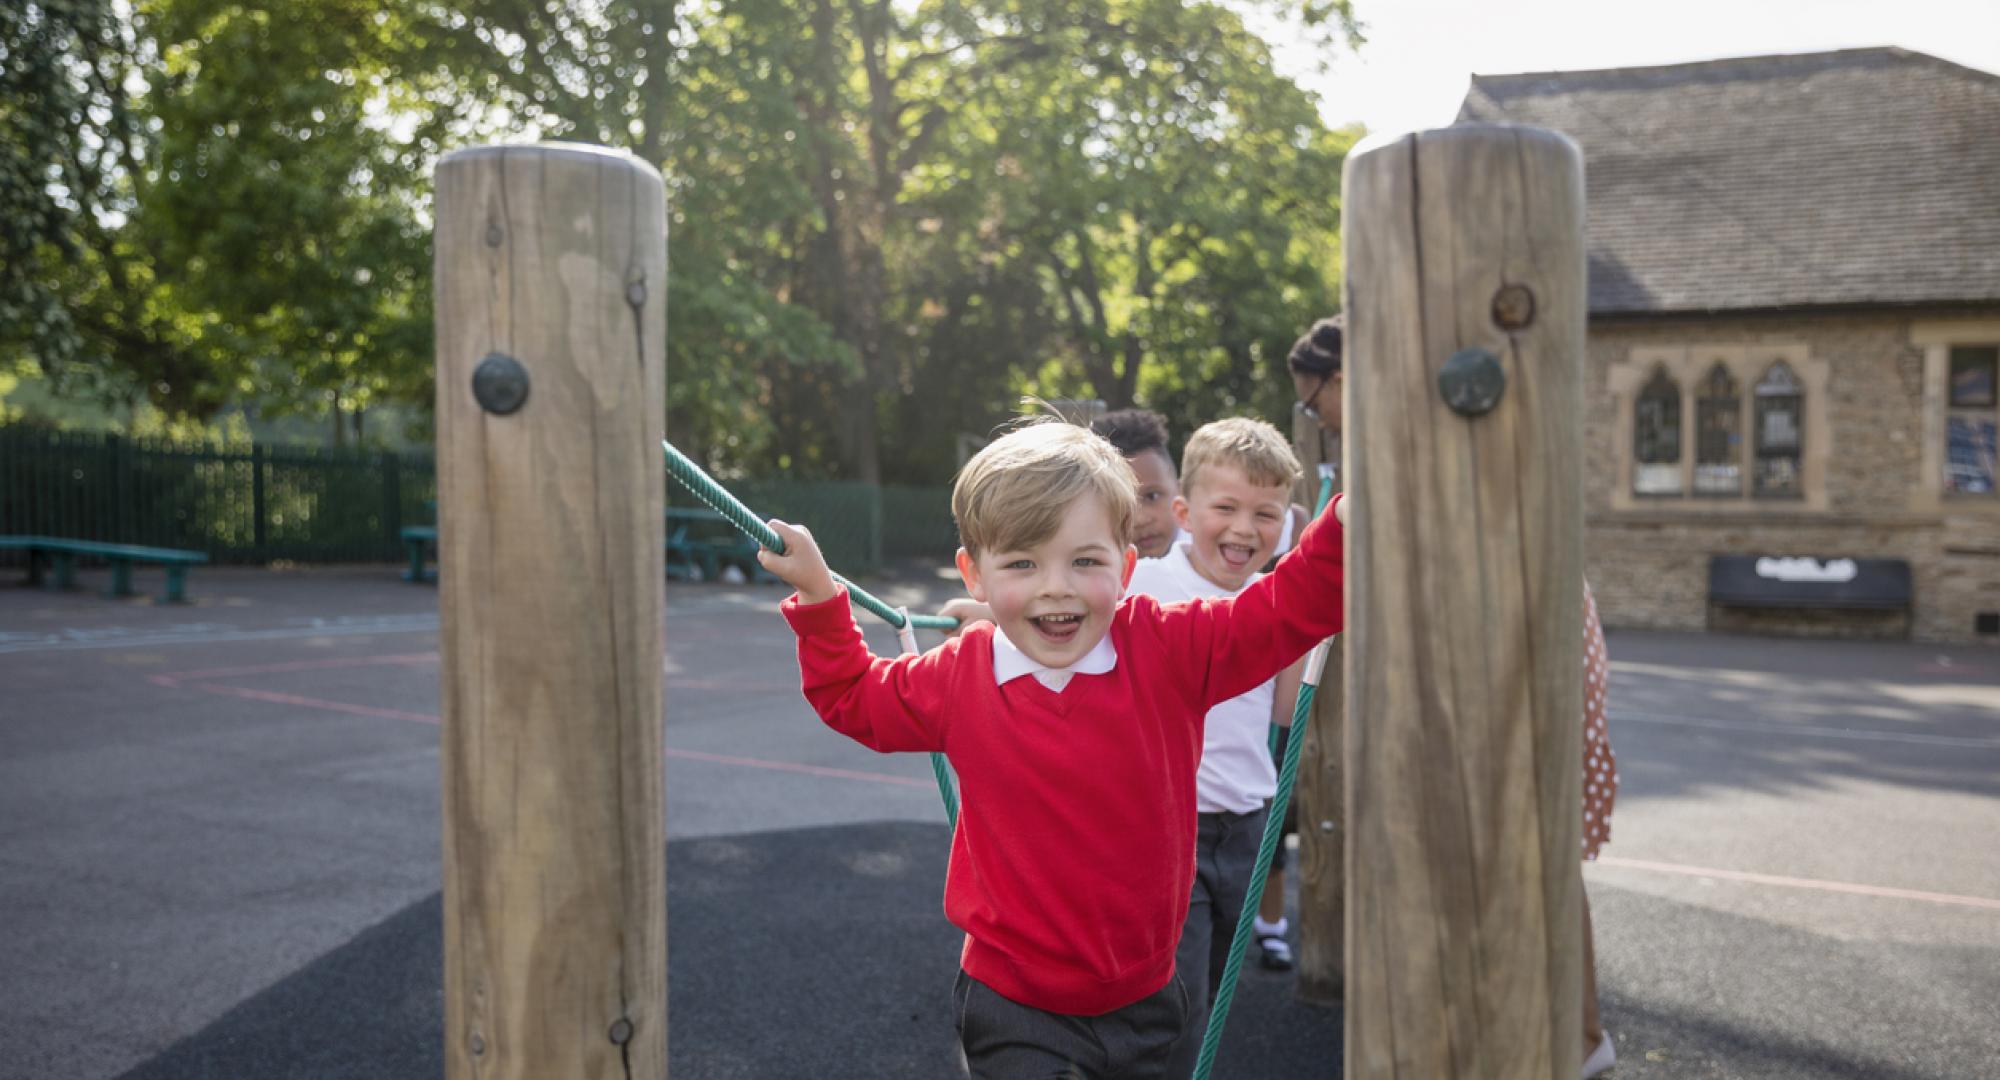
(1273, 953)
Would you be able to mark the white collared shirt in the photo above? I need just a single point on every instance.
(1237, 774)
(1010, 663)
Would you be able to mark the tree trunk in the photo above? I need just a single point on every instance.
(846, 272)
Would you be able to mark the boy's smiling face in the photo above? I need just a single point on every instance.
(1153, 527)
(1234, 523)
(1054, 599)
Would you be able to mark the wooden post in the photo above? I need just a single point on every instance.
(1464, 678)
(1322, 790)
(552, 258)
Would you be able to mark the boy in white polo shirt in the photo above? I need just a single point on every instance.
(1236, 481)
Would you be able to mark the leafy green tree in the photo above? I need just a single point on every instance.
(81, 300)
(1174, 196)
(52, 73)
(216, 213)
(708, 93)
(290, 209)
(888, 219)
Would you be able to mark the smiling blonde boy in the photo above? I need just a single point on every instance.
(1075, 725)
(1234, 503)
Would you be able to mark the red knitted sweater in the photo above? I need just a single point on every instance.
(1074, 855)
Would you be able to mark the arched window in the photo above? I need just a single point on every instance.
(1718, 435)
(1780, 434)
(1656, 437)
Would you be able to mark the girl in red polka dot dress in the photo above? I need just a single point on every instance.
(1600, 789)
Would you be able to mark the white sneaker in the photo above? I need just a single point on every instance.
(1601, 1059)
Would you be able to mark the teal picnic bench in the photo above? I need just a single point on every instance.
(701, 542)
(417, 540)
(43, 550)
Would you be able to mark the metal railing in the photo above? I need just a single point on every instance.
(257, 503)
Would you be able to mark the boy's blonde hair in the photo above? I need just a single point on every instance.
(1012, 494)
(1253, 446)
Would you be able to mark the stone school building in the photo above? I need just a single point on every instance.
(1794, 275)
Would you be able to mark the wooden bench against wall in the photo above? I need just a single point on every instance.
(63, 553)
(1812, 596)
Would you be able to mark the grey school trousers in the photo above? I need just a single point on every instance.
(1225, 852)
(1006, 1040)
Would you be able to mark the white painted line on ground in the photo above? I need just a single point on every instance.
(71, 641)
(1800, 883)
(1788, 728)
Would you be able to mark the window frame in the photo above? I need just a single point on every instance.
(1636, 368)
(1796, 394)
(1661, 379)
(1985, 412)
(1731, 417)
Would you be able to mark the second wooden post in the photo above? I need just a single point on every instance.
(551, 391)
(1463, 434)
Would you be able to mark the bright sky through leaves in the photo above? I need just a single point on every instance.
(1413, 70)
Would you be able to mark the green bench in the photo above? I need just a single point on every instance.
(43, 550)
(417, 540)
(701, 542)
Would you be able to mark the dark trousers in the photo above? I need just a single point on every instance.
(1006, 1040)
(1225, 852)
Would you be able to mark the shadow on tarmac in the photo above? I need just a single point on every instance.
(823, 952)
(806, 953)
(1778, 716)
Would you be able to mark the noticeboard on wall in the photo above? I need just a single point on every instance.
(1808, 581)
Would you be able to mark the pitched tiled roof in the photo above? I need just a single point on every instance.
(1866, 176)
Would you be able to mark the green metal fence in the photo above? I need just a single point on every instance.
(237, 504)
(916, 523)
(857, 525)
(259, 503)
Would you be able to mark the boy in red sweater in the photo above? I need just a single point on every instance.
(1074, 722)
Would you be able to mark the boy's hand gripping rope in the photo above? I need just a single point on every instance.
(1274, 831)
(722, 502)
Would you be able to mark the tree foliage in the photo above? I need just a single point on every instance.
(290, 211)
(888, 220)
(78, 294)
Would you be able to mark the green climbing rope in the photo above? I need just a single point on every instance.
(1274, 831)
(722, 502)
(739, 515)
(1274, 828)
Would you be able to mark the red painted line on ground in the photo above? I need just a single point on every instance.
(314, 703)
(175, 678)
(352, 709)
(1801, 883)
(796, 767)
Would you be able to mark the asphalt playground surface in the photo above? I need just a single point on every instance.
(219, 851)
